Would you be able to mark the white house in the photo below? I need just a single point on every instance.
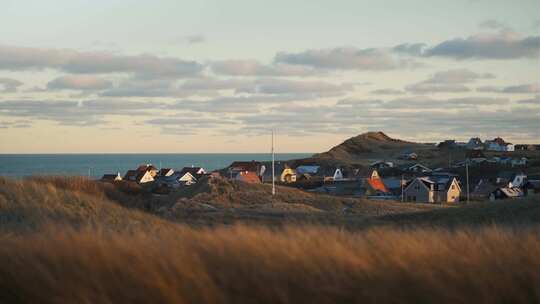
(338, 175)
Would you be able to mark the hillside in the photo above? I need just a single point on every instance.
(71, 240)
(29, 205)
(365, 145)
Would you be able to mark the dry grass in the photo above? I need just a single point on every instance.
(257, 265)
(67, 241)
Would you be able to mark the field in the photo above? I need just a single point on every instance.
(70, 240)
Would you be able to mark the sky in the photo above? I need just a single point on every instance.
(169, 76)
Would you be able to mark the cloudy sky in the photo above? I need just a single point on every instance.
(216, 76)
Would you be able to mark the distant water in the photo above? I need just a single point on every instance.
(95, 165)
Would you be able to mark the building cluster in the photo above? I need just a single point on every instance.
(495, 145)
(404, 180)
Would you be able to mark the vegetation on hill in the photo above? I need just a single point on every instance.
(366, 144)
(71, 240)
(253, 264)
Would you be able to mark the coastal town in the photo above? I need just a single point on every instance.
(447, 172)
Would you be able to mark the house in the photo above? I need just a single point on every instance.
(349, 187)
(139, 176)
(525, 147)
(378, 165)
(408, 156)
(338, 175)
(307, 169)
(485, 187)
(475, 143)
(432, 189)
(375, 185)
(288, 175)
(171, 181)
(148, 168)
(186, 178)
(447, 144)
(196, 172)
(499, 145)
(512, 179)
(111, 177)
(519, 162)
(248, 177)
(506, 193)
(249, 166)
(166, 172)
(417, 168)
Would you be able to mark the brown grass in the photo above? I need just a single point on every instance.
(257, 265)
(67, 241)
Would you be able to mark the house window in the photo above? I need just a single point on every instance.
(453, 187)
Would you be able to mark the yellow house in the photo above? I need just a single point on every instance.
(288, 176)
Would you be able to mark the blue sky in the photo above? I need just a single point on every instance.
(216, 76)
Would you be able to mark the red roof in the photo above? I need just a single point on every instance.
(377, 184)
(248, 177)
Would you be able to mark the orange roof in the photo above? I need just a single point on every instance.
(248, 177)
(377, 184)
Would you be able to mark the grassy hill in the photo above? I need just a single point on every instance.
(73, 202)
(71, 240)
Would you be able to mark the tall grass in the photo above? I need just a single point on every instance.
(242, 264)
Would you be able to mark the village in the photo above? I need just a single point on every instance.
(476, 170)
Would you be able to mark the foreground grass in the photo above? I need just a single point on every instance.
(75, 241)
(243, 264)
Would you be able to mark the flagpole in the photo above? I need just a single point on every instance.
(273, 170)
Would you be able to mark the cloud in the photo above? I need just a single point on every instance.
(71, 61)
(450, 81)
(423, 87)
(193, 39)
(492, 24)
(9, 85)
(79, 82)
(387, 92)
(235, 104)
(419, 103)
(75, 113)
(501, 45)
(414, 49)
(302, 89)
(522, 88)
(255, 68)
(344, 58)
(533, 101)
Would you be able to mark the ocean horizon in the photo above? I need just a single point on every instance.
(94, 165)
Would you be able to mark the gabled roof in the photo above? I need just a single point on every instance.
(377, 184)
(440, 183)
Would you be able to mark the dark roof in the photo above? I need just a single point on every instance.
(191, 170)
(146, 167)
(251, 166)
(164, 171)
(109, 177)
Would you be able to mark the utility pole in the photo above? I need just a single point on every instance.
(467, 178)
(402, 199)
(273, 169)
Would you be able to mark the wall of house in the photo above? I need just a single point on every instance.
(147, 177)
(419, 191)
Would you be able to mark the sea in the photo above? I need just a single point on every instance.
(95, 165)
